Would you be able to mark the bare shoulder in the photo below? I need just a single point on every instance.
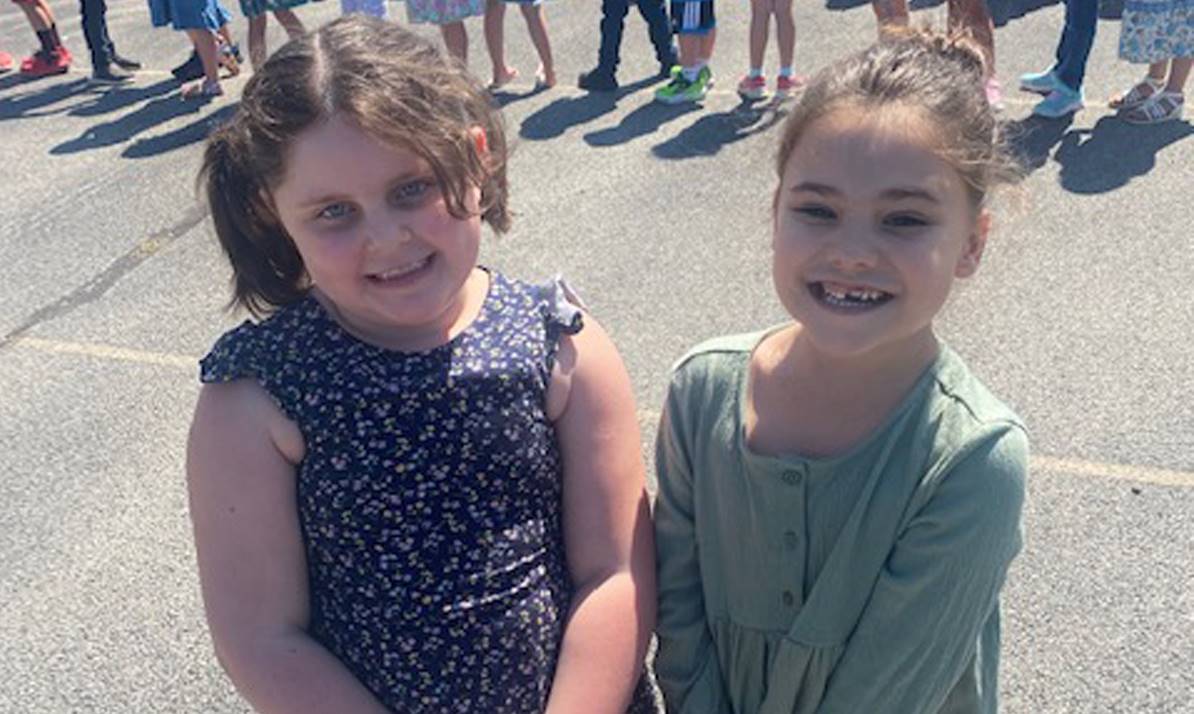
(239, 415)
(588, 356)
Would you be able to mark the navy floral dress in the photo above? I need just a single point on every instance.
(429, 497)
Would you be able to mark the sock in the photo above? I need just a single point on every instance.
(690, 73)
(54, 35)
(756, 72)
(47, 41)
(785, 71)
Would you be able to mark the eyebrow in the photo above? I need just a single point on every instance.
(891, 194)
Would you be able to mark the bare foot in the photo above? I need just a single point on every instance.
(545, 79)
(502, 77)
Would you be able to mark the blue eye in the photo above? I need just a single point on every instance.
(412, 192)
(335, 212)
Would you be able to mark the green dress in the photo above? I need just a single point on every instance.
(864, 583)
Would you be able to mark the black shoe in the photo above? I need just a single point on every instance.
(598, 79)
(191, 69)
(667, 67)
(125, 63)
(110, 75)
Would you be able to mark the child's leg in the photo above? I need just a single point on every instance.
(1081, 18)
(706, 46)
(291, 23)
(207, 47)
(785, 34)
(37, 12)
(95, 32)
(973, 16)
(456, 40)
(890, 12)
(257, 53)
(655, 15)
(537, 27)
(495, 42)
(1179, 72)
(613, 21)
(760, 18)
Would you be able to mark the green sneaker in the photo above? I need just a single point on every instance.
(706, 76)
(680, 90)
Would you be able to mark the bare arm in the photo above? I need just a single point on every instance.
(252, 566)
(607, 528)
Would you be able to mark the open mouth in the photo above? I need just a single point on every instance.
(402, 274)
(848, 297)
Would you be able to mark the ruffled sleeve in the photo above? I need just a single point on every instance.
(563, 314)
(234, 356)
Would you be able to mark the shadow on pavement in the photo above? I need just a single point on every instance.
(192, 133)
(1096, 160)
(643, 120)
(35, 103)
(711, 132)
(121, 96)
(146, 117)
(554, 119)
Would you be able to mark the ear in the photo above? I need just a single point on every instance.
(480, 140)
(976, 242)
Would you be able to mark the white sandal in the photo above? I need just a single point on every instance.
(1160, 107)
(1140, 93)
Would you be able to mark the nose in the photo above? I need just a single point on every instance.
(387, 229)
(852, 250)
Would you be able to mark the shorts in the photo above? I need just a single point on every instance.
(692, 17)
(375, 8)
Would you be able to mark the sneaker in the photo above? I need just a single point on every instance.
(1040, 82)
(1060, 102)
(44, 64)
(785, 85)
(112, 74)
(1160, 107)
(191, 69)
(125, 63)
(668, 65)
(598, 79)
(994, 91)
(752, 87)
(705, 77)
(680, 90)
(5, 62)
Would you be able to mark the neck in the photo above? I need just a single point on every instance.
(876, 377)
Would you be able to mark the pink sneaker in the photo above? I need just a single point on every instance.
(994, 91)
(752, 87)
(6, 62)
(785, 85)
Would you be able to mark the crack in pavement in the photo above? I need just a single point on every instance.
(96, 287)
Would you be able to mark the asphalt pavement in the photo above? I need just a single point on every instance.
(111, 287)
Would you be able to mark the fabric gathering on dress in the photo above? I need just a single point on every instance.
(429, 497)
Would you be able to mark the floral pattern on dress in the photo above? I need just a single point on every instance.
(441, 12)
(1156, 30)
(429, 498)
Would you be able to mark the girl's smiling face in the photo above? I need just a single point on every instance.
(871, 228)
(376, 237)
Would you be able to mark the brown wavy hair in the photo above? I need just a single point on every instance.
(397, 87)
(938, 75)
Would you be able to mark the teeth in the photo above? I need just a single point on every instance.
(851, 296)
(403, 270)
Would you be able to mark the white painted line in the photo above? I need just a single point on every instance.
(647, 418)
(108, 352)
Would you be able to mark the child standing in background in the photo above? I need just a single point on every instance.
(839, 497)
(449, 16)
(495, 40)
(695, 25)
(417, 484)
(754, 84)
(604, 77)
(256, 12)
(51, 57)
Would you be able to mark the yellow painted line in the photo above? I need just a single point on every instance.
(647, 418)
(108, 352)
(1125, 472)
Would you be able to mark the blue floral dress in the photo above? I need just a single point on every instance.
(1156, 30)
(429, 497)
